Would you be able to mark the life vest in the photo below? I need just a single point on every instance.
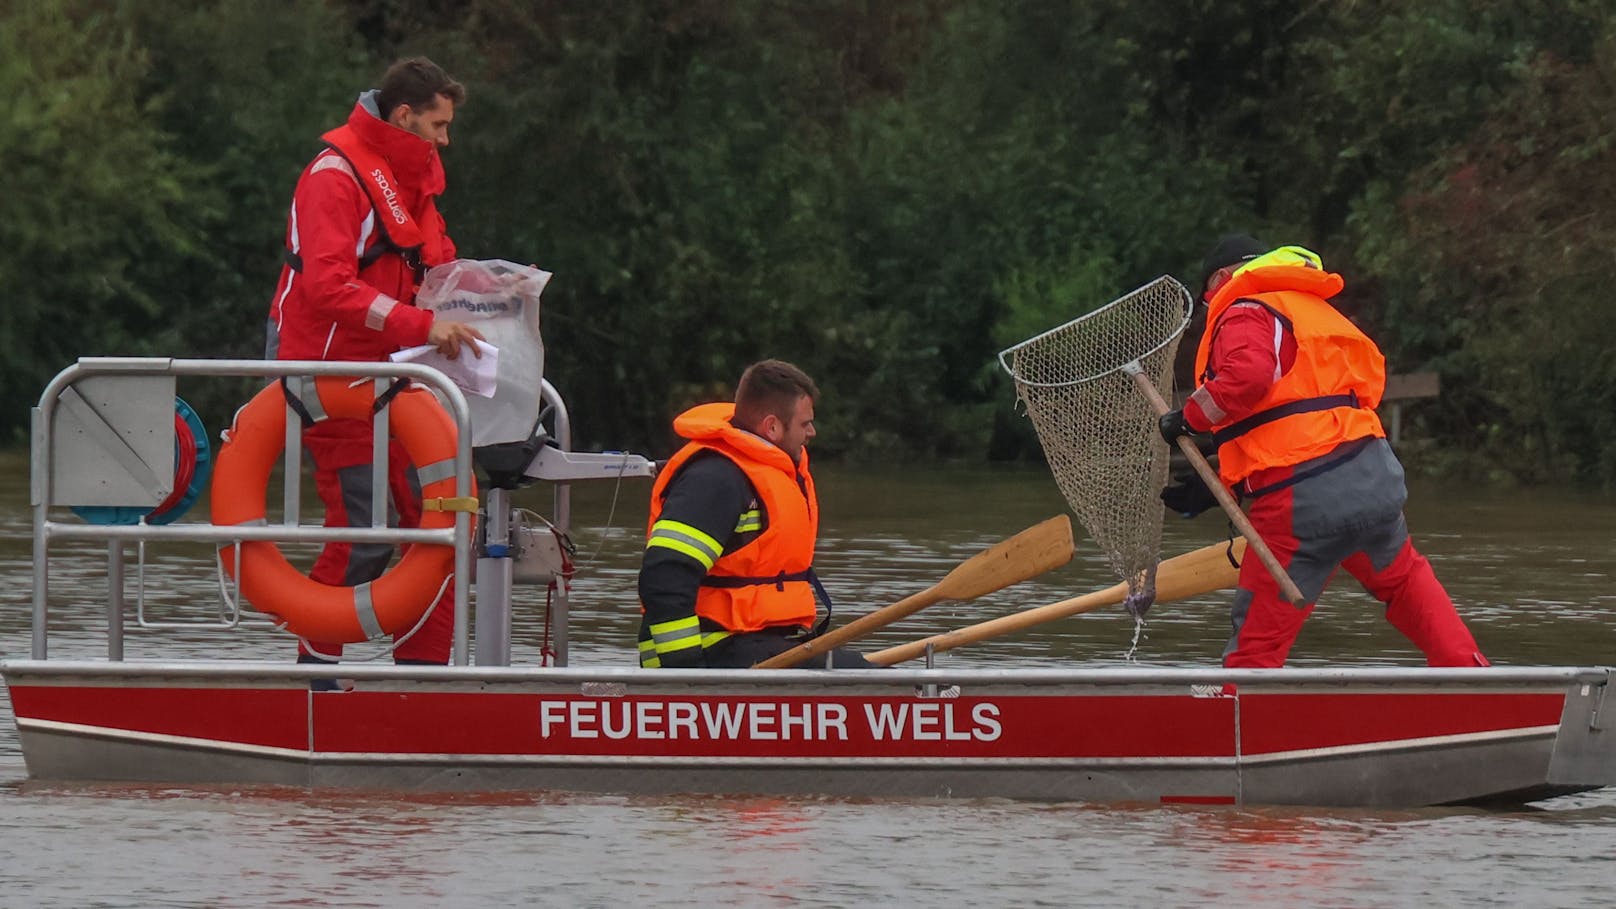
(764, 583)
(326, 613)
(418, 240)
(1327, 397)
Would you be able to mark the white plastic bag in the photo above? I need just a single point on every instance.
(502, 299)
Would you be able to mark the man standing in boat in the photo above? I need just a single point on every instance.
(363, 228)
(727, 578)
(1288, 387)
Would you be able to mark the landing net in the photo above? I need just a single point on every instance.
(1096, 427)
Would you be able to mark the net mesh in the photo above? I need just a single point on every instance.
(1096, 427)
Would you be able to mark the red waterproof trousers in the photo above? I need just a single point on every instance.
(1348, 517)
(340, 450)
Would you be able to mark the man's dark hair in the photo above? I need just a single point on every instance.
(417, 82)
(770, 387)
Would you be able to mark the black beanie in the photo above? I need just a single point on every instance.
(1231, 249)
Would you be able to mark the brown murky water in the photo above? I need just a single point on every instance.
(1531, 571)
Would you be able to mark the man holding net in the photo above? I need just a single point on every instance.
(1288, 386)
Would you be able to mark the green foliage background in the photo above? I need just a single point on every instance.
(884, 193)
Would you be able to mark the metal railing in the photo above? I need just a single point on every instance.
(44, 464)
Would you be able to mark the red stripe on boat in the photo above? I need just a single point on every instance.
(1272, 723)
(275, 718)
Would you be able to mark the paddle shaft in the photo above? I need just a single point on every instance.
(1027, 554)
(1287, 587)
(1191, 574)
(859, 627)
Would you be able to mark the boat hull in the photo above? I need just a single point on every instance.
(1364, 737)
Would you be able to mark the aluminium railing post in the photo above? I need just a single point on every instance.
(292, 472)
(39, 498)
(115, 600)
(463, 519)
(380, 440)
(495, 567)
(563, 516)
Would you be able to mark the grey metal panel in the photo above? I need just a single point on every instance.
(1400, 776)
(1585, 753)
(52, 755)
(1040, 783)
(113, 442)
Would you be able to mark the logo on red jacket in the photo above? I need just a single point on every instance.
(391, 195)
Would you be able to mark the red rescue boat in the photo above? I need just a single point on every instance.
(1340, 737)
(1371, 737)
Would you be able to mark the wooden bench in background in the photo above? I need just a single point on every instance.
(1408, 386)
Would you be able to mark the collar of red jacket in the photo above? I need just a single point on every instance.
(413, 160)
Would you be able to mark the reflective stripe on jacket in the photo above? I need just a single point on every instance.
(1330, 393)
(765, 582)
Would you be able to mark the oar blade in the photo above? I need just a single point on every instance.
(1200, 571)
(1027, 554)
(1194, 573)
(1040, 548)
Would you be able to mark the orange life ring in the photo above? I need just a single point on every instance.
(325, 613)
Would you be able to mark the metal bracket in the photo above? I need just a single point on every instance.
(554, 464)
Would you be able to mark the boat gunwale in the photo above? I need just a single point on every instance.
(634, 677)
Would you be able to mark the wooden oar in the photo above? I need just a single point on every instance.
(1191, 574)
(1287, 587)
(1027, 554)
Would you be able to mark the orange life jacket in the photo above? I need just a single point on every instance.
(1329, 395)
(764, 583)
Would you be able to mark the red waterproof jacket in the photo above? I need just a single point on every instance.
(364, 223)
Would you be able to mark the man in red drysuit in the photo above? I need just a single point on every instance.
(363, 228)
(1288, 388)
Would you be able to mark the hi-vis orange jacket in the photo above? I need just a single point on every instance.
(764, 583)
(1330, 393)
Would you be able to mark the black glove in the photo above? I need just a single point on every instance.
(1172, 425)
(1189, 496)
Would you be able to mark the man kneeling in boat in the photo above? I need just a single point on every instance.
(727, 579)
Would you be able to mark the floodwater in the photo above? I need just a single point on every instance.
(1531, 571)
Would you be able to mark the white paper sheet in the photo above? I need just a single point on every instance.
(477, 375)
